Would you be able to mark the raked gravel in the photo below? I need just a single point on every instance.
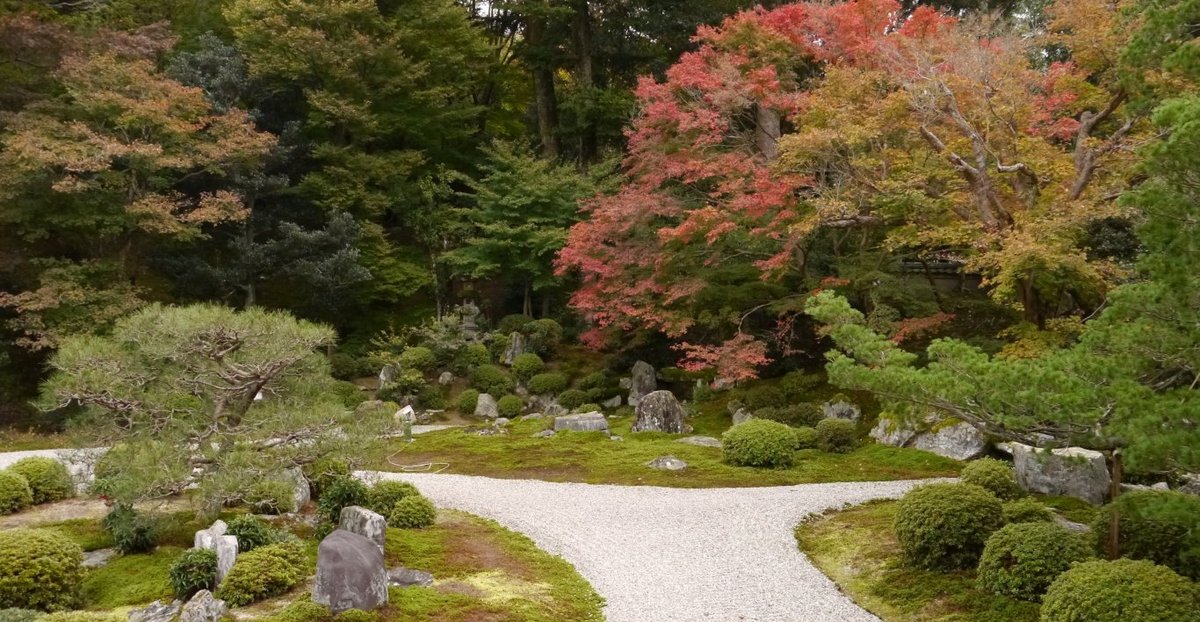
(669, 554)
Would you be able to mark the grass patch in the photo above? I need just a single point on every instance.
(130, 580)
(88, 533)
(857, 549)
(1072, 509)
(593, 458)
(12, 439)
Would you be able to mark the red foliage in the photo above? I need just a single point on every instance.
(734, 360)
(917, 326)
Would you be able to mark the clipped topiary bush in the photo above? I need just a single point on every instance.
(467, 401)
(572, 399)
(1022, 560)
(994, 475)
(806, 437)
(412, 512)
(549, 383)
(800, 414)
(300, 611)
(1122, 590)
(510, 406)
(543, 335)
(527, 365)
(264, 572)
(252, 532)
(492, 379)
(15, 494)
(382, 496)
(594, 380)
(1027, 510)
(341, 492)
(49, 479)
(195, 570)
(836, 435)
(1162, 526)
(356, 615)
(473, 356)
(350, 394)
(759, 443)
(39, 569)
(945, 526)
(131, 531)
(419, 358)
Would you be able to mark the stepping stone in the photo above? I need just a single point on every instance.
(584, 422)
(667, 463)
(702, 441)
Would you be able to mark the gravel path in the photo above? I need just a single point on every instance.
(670, 554)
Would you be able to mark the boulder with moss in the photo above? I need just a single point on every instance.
(350, 573)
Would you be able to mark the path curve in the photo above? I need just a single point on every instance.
(671, 554)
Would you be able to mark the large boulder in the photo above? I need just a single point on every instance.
(583, 422)
(641, 382)
(364, 522)
(659, 411)
(944, 437)
(1070, 471)
(203, 607)
(226, 547)
(350, 573)
(157, 611)
(486, 407)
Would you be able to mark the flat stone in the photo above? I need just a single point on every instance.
(1190, 483)
(405, 577)
(531, 416)
(659, 412)
(98, 558)
(486, 407)
(203, 607)
(1071, 471)
(702, 441)
(667, 463)
(545, 434)
(364, 522)
(350, 573)
(614, 437)
(157, 611)
(1071, 525)
(583, 422)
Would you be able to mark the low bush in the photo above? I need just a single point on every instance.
(590, 407)
(467, 401)
(264, 572)
(342, 492)
(492, 379)
(806, 437)
(702, 392)
(1026, 510)
(759, 443)
(49, 480)
(39, 569)
(347, 367)
(431, 396)
(544, 335)
(765, 396)
(510, 406)
(1022, 560)
(572, 399)
(252, 532)
(800, 414)
(594, 380)
(527, 365)
(797, 384)
(473, 356)
(382, 496)
(15, 494)
(419, 358)
(549, 383)
(131, 531)
(195, 570)
(994, 475)
(945, 526)
(413, 512)
(349, 394)
(270, 495)
(1162, 526)
(323, 472)
(1122, 590)
(836, 436)
(513, 323)
(300, 611)
(356, 615)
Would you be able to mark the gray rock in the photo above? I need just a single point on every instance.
(350, 573)
(369, 407)
(625, 383)
(1190, 483)
(98, 558)
(301, 491)
(532, 416)
(961, 441)
(516, 347)
(583, 422)
(742, 416)
(641, 382)
(364, 522)
(893, 431)
(405, 577)
(445, 378)
(614, 437)
(732, 406)
(1071, 471)
(702, 441)
(841, 410)
(521, 391)
(157, 611)
(659, 411)
(500, 422)
(545, 434)
(612, 402)
(204, 537)
(1071, 525)
(554, 410)
(203, 607)
(667, 463)
(386, 375)
(226, 547)
(486, 407)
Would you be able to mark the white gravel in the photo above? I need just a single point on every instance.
(670, 554)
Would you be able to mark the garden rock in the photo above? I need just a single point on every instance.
(532, 416)
(584, 422)
(625, 384)
(516, 347)
(554, 410)
(667, 463)
(702, 441)
(301, 491)
(1190, 483)
(1071, 525)
(641, 382)
(204, 538)
(545, 434)
(98, 558)
(486, 407)
(659, 412)
(350, 573)
(226, 547)
(612, 402)
(386, 375)
(841, 410)
(364, 522)
(742, 415)
(500, 422)
(446, 378)
(203, 607)
(894, 432)
(1071, 471)
(406, 577)
(157, 611)
(614, 437)
(961, 441)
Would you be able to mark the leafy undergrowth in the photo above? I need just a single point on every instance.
(858, 550)
(591, 457)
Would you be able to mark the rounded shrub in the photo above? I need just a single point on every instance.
(994, 475)
(510, 406)
(492, 379)
(14, 614)
(572, 399)
(1162, 526)
(264, 572)
(383, 495)
(356, 615)
(1022, 560)
(544, 335)
(131, 531)
(1123, 590)
(342, 492)
(945, 526)
(799, 414)
(527, 365)
(594, 380)
(252, 532)
(431, 396)
(419, 358)
(1026, 510)
(15, 494)
(49, 479)
(759, 443)
(836, 436)
(806, 437)
(473, 356)
(467, 401)
(412, 512)
(39, 569)
(323, 472)
(195, 570)
(349, 394)
(548, 383)
(300, 611)
(513, 323)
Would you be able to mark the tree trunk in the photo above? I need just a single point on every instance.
(543, 90)
(1034, 313)
(527, 308)
(766, 132)
(581, 31)
(1117, 472)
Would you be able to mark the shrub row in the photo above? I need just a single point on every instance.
(32, 481)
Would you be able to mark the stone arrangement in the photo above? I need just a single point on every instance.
(350, 573)
(225, 546)
(364, 522)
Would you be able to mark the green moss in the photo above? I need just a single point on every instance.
(131, 579)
